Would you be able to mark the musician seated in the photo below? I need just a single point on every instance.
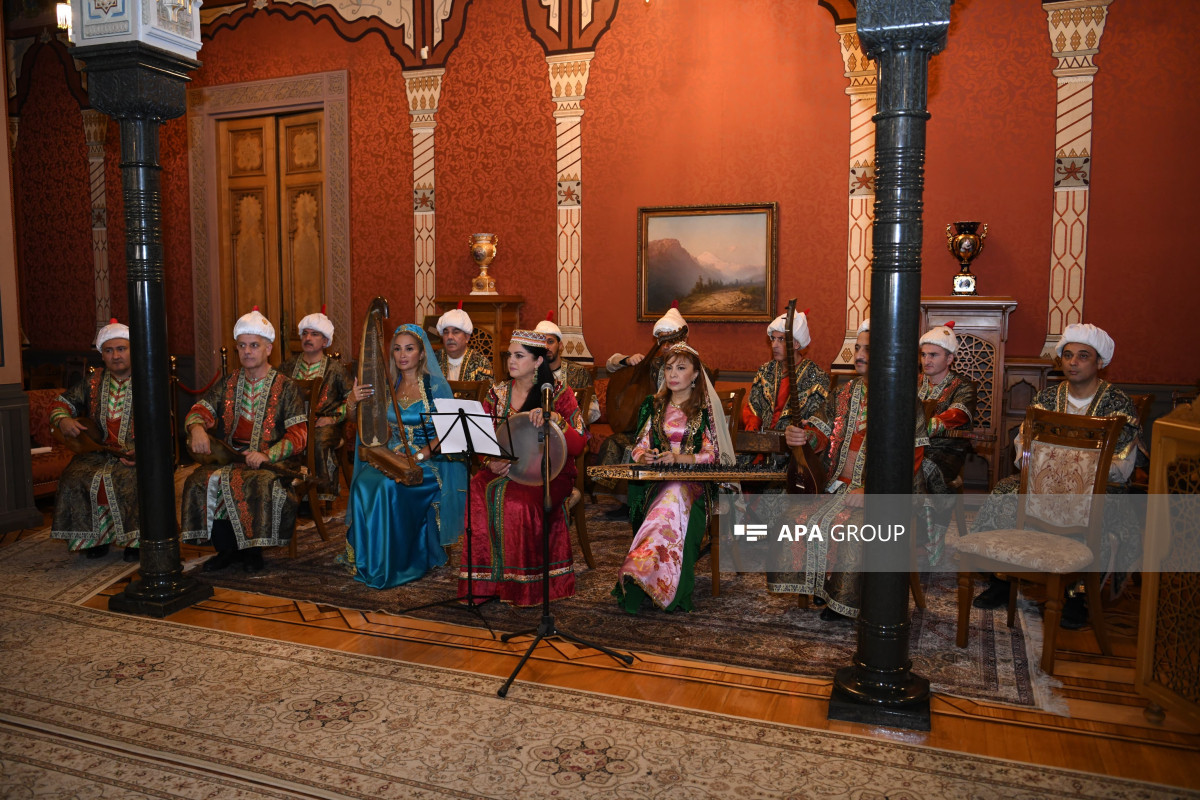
(670, 329)
(948, 398)
(1084, 350)
(506, 516)
(458, 361)
(258, 414)
(682, 424)
(767, 406)
(97, 503)
(398, 532)
(316, 334)
(839, 432)
(566, 371)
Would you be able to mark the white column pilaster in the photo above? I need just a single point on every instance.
(95, 130)
(424, 89)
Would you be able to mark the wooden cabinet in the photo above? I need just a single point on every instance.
(1169, 629)
(494, 316)
(981, 324)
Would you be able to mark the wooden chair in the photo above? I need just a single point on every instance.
(1059, 451)
(470, 390)
(731, 404)
(307, 488)
(1139, 481)
(575, 503)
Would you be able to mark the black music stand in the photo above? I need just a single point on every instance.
(473, 602)
(547, 627)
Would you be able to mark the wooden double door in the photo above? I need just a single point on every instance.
(272, 221)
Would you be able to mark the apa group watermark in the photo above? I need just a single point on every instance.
(837, 532)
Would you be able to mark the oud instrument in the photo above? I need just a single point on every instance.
(374, 429)
(806, 474)
(89, 440)
(718, 473)
(930, 408)
(220, 454)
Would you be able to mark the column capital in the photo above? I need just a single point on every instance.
(424, 89)
(136, 81)
(903, 25)
(1075, 30)
(858, 67)
(568, 82)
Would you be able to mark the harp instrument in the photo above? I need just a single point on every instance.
(374, 430)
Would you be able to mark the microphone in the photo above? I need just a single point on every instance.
(547, 400)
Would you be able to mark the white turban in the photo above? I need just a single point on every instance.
(943, 336)
(548, 327)
(669, 323)
(455, 318)
(113, 330)
(866, 326)
(318, 322)
(254, 323)
(799, 328)
(1090, 335)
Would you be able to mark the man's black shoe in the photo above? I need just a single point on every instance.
(994, 596)
(829, 615)
(1075, 613)
(252, 559)
(131, 555)
(99, 551)
(620, 512)
(818, 601)
(221, 560)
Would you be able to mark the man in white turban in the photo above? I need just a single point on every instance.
(565, 370)
(314, 364)
(767, 406)
(258, 412)
(671, 328)
(1084, 350)
(96, 504)
(459, 361)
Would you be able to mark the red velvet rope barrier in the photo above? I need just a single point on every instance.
(194, 392)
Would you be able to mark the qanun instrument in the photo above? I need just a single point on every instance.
(718, 473)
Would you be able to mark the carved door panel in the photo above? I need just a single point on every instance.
(271, 205)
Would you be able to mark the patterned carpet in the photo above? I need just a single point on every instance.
(105, 706)
(744, 627)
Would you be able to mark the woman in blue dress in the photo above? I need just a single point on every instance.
(398, 533)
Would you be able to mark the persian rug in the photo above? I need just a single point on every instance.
(101, 705)
(744, 627)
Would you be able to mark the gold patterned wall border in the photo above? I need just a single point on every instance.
(418, 33)
(1075, 28)
(206, 105)
(860, 219)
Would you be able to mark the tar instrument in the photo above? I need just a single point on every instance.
(89, 440)
(806, 475)
(627, 388)
(930, 409)
(519, 436)
(220, 454)
(718, 473)
(374, 430)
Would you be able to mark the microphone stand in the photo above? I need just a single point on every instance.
(547, 627)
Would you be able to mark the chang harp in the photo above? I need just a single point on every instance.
(374, 431)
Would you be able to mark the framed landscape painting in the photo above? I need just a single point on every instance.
(718, 262)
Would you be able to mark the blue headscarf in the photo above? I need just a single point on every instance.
(451, 475)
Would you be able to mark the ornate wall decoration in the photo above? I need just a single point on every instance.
(326, 90)
(569, 27)
(860, 72)
(95, 129)
(1075, 30)
(424, 89)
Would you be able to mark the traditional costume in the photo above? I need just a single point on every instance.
(949, 405)
(397, 532)
(267, 416)
(1120, 548)
(97, 503)
(472, 365)
(506, 516)
(670, 517)
(332, 402)
(568, 372)
(766, 408)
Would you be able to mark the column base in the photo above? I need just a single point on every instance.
(1049, 349)
(137, 600)
(908, 708)
(574, 347)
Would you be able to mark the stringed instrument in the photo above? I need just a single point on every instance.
(374, 430)
(627, 388)
(806, 474)
(930, 409)
(89, 440)
(221, 454)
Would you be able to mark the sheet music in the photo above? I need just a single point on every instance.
(451, 435)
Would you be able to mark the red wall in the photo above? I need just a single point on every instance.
(710, 101)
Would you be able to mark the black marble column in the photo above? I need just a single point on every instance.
(140, 86)
(901, 36)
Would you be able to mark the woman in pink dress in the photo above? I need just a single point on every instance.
(682, 424)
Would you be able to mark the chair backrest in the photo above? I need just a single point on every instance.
(584, 398)
(470, 390)
(1143, 403)
(310, 393)
(1064, 471)
(731, 404)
